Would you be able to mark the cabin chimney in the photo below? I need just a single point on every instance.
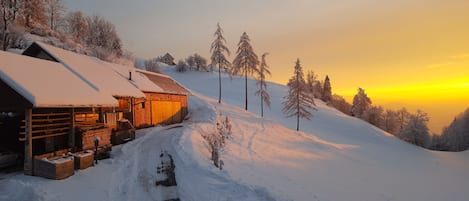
(130, 75)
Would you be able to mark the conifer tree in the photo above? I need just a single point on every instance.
(298, 101)
(327, 91)
(218, 49)
(262, 92)
(246, 62)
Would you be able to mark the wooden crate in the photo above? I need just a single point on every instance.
(83, 159)
(85, 138)
(54, 167)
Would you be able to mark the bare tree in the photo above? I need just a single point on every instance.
(102, 36)
(341, 104)
(374, 116)
(190, 62)
(200, 62)
(218, 49)
(77, 25)
(181, 66)
(55, 10)
(9, 10)
(246, 62)
(390, 122)
(33, 11)
(311, 79)
(416, 131)
(298, 101)
(262, 92)
(402, 119)
(152, 65)
(361, 103)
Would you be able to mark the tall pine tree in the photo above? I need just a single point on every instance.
(246, 62)
(262, 92)
(218, 49)
(327, 91)
(298, 102)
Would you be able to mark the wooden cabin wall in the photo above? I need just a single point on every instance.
(160, 108)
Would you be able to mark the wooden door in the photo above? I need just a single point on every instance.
(165, 112)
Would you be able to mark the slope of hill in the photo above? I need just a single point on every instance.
(337, 157)
(334, 158)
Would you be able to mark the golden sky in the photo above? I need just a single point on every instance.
(412, 53)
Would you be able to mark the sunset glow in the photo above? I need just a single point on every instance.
(403, 53)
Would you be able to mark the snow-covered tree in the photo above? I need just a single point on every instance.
(8, 10)
(361, 103)
(390, 122)
(77, 25)
(374, 115)
(402, 119)
(311, 81)
(298, 101)
(33, 12)
(327, 91)
(218, 50)
(261, 83)
(181, 66)
(415, 130)
(102, 37)
(339, 103)
(190, 61)
(152, 65)
(246, 62)
(55, 10)
(200, 62)
(456, 135)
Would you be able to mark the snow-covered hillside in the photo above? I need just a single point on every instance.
(334, 158)
(337, 157)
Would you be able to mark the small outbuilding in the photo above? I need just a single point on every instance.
(168, 106)
(167, 59)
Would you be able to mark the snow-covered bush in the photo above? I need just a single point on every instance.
(217, 139)
(181, 66)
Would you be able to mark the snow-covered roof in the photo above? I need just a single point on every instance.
(93, 71)
(48, 84)
(137, 78)
(168, 84)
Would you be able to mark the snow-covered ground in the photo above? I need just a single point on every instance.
(334, 158)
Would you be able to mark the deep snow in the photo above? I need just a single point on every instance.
(334, 158)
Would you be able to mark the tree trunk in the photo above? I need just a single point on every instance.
(246, 86)
(219, 82)
(297, 103)
(262, 101)
(52, 20)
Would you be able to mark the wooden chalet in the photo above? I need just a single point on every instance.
(98, 74)
(167, 59)
(145, 98)
(165, 100)
(41, 107)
